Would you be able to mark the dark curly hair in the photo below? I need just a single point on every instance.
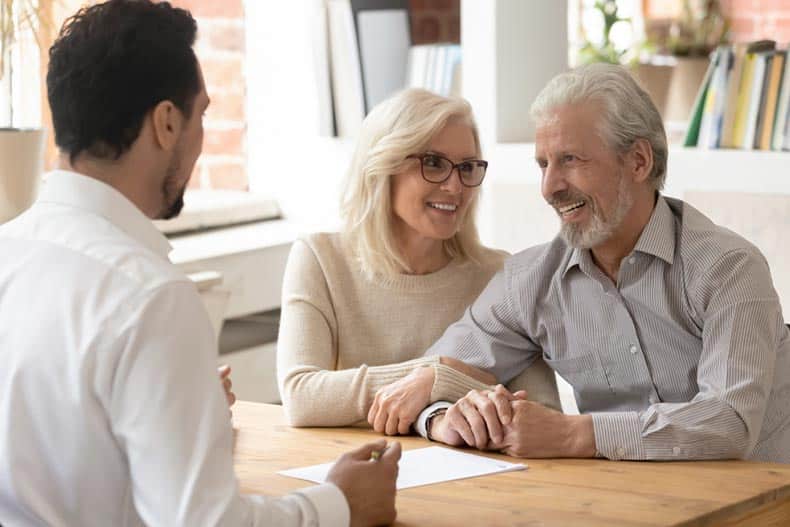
(110, 65)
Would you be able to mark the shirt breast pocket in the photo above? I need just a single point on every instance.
(584, 372)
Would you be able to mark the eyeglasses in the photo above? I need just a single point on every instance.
(437, 169)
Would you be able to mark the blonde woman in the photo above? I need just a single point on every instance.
(360, 307)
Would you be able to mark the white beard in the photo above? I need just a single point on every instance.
(600, 229)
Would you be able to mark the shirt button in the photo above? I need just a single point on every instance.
(632, 260)
(633, 349)
(676, 450)
(620, 451)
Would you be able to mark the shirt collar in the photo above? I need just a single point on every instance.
(657, 238)
(574, 261)
(91, 195)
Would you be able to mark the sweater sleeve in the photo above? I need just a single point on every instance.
(314, 393)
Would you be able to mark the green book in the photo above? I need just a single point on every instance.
(692, 134)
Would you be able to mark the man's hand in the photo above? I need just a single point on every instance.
(227, 384)
(396, 406)
(479, 417)
(441, 431)
(369, 486)
(537, 431)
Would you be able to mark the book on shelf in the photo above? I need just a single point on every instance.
(713, 110)
(772, 80)
(781, 138)
(759, 97)
(742, 102)
(695, 121)
(733, 90)
(744, 99)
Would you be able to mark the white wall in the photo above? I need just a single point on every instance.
(511, 49)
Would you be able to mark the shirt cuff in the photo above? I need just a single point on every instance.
(618, 435)
(330, 504)
(422, 419)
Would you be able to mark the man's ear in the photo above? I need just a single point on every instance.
(167, 121)
(641, 160)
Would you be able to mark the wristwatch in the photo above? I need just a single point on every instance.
(429, 420)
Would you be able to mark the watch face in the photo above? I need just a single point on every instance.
(429, 420)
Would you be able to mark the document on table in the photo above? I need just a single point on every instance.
(424, 466)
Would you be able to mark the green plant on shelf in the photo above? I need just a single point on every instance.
(700, 27)
(606, 51)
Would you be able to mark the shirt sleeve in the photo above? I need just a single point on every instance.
(314, 392)
(169, 415)
(421, 424)
(741, 326)
(490, 335)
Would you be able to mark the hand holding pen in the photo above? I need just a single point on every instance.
(367, 476)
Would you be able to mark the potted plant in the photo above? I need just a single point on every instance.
(21, 149)
(606, 50)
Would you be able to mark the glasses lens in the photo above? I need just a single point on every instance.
(472, 172)
(435, 168)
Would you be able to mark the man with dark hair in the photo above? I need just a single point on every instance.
(110, 409)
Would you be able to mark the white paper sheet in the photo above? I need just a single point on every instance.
(424, 466)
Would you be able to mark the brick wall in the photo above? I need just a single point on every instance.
(756, 19)
(220, 49)
(435, 21)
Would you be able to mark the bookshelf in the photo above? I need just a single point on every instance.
(743, 100)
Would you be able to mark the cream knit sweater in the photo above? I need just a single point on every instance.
(342, 336)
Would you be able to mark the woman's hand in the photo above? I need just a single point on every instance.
(397, 405)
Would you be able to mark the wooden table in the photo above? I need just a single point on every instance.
(551, 492)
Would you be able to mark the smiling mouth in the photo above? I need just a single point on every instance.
(448, 207)
(568, 209)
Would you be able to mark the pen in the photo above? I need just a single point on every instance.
(376, 454)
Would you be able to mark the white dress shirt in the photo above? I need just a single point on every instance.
(111, 411)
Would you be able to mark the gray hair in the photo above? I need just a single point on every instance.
(629, 113)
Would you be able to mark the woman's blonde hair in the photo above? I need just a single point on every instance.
(396, 128)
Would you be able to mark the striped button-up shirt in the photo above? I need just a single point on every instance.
(685, 357)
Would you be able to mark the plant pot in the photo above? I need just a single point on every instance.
(686, 80)
(21, 164)
(656, 80)
(673, 84)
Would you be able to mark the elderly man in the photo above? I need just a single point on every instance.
(666, 325)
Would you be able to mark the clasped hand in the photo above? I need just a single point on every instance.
(480, 418)
(500, 420)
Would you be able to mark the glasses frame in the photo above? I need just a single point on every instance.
(453, 166)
